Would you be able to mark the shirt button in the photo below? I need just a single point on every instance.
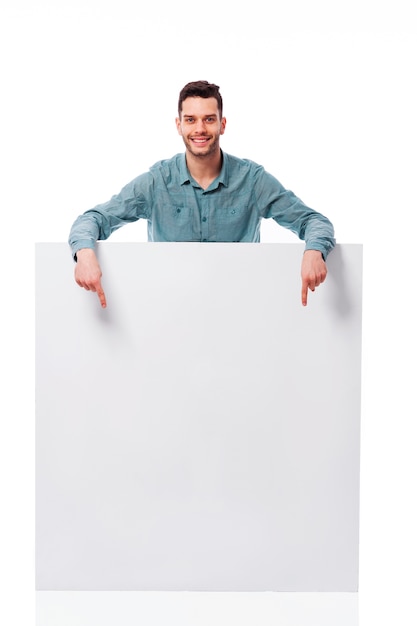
(204, 219)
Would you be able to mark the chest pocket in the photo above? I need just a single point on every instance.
(177, 223)
(231, 223)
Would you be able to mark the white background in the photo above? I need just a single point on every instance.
(323, 94)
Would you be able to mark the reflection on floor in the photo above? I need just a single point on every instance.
(133, 608)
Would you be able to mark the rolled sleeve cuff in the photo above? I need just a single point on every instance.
(83, 243)
(323, 249)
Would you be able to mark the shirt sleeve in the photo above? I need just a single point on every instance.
(132, 203)
(282, 205)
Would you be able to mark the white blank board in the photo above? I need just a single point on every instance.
(203, 431)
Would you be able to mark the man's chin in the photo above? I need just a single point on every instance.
(202, 152)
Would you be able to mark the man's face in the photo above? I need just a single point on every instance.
(200, 126)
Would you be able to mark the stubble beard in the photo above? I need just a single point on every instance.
(210, 150)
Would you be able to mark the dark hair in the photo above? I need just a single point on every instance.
(200, 89)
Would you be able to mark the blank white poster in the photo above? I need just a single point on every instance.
(203, 431)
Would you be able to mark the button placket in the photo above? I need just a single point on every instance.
(204, 218)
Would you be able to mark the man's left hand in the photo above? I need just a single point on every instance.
(313, 272)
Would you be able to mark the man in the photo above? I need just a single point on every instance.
(202, 195)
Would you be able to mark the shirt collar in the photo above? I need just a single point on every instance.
(184, 174)
(222, 178)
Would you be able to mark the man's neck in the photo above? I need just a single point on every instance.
(204, 169)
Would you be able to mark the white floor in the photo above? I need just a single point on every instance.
(129, 608)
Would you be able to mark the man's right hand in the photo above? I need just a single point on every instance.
(88, 273)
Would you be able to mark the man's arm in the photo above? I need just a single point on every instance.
(100, 222)
(88, 273)
(309, 225)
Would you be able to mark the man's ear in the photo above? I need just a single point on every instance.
(178, 125)
(222, 125)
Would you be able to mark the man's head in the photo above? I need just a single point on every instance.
(200, 122)
(200, 89)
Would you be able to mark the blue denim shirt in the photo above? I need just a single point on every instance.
(178, 209)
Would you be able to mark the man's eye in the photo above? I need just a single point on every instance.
(210, 119)
(189, 120)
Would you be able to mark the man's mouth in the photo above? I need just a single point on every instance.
(200, 140)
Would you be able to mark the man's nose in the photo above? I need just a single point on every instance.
(200, 126)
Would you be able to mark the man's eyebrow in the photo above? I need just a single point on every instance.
(205, 115)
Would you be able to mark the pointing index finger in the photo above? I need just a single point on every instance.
(304, 292)
(102, 297)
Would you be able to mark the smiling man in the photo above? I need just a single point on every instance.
(200, 123)
(203, 195)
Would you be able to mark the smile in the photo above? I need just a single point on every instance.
(200, 140)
